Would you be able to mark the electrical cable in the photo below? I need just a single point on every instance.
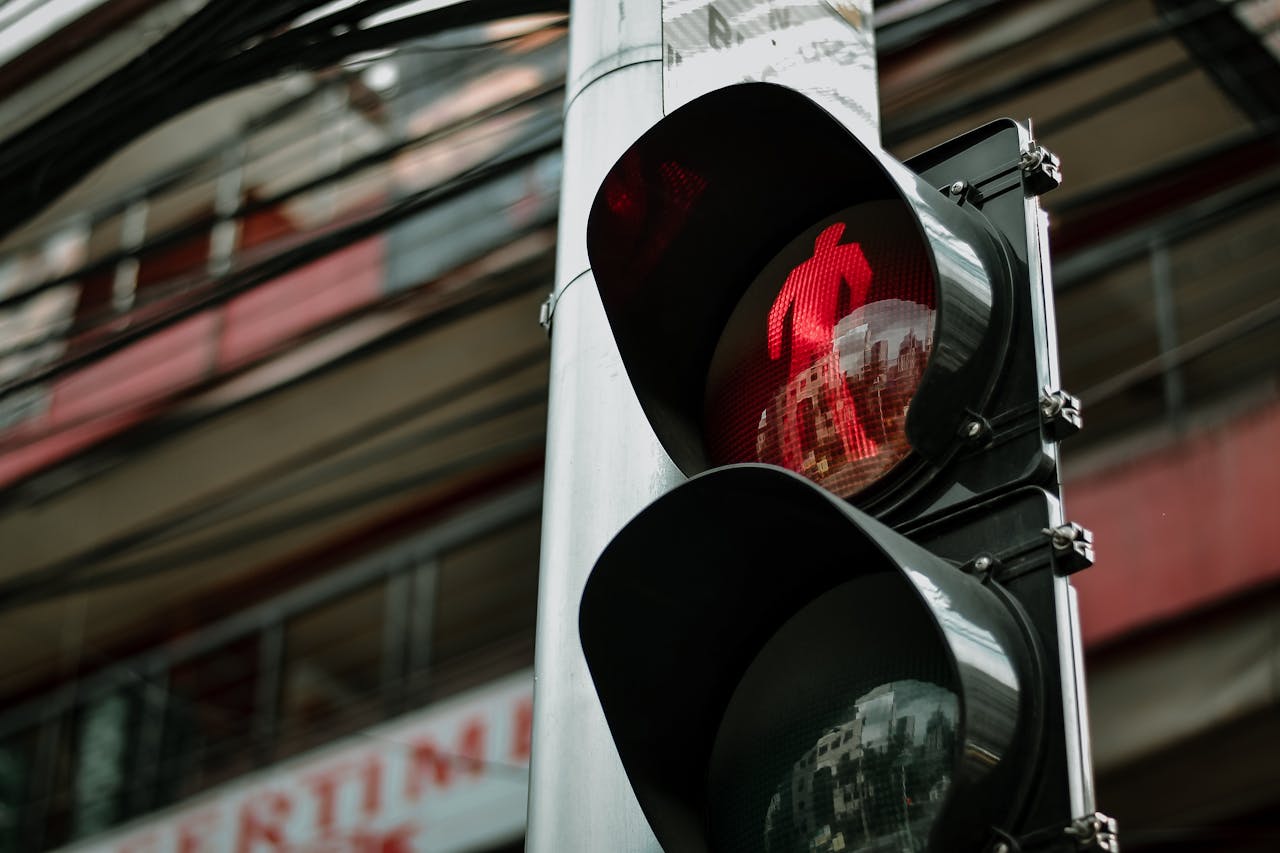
(73, 142)
(257, 532)
(175, 177)
(409, 50)
(1247, 323)
(197, 227)
(150, 68)
(911, 126)
(160, 293)
(325, 474)
(14, 443)
(247, 279)
(1120, 95)
(190, 518)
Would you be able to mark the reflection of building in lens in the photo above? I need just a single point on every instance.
(883, 349)
(815, 427)
(934, 731)
(819, 423)
(842, 421)
(873, 781)
(840, 416)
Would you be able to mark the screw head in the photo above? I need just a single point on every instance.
(958, 187)
(982, 563)
(974, 429)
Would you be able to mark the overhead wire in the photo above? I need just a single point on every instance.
(1112, 98)
(956, 108)
(248, 207)
(1231, 330)
(205, 163)
(258, 531)
(22, 440)
(412, 49)
(211, 509)
(195, 228)
(272, 267)
(41, 161)
(489, 291)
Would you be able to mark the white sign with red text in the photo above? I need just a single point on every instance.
(451, 777)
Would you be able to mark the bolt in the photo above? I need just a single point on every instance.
(1051, 405)
(958, 187)
(974, 429)
(1000, 847)
(982, 563)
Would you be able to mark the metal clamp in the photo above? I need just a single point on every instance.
(1072, 545)
(545, 310)
(1036, 170)
(1041, 169)
(1095, 832)
(1060, 413)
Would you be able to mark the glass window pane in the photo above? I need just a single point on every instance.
(104, 727)
(17, 753)
(486, 602)
(331, 682)
(1106, 326)
(208, 735)
(1221, 275)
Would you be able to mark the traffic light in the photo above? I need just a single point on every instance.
(851, 628)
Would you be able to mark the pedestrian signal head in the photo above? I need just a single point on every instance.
(780, 293)
(778, 669)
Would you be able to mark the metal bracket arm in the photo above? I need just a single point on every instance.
(1037, 169)
(1092, 833)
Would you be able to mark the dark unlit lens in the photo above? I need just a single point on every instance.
(842, 734)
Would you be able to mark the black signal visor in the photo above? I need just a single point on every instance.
(705, 203)
(774, 664)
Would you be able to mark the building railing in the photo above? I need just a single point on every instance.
(332, 656)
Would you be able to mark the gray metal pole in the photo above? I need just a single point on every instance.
(603, 462)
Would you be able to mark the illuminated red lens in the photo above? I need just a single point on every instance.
(819, 362)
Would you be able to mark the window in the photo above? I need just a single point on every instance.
(486, 605)
(332, 670)
(209, 727)
(281, 677)
(17, 754)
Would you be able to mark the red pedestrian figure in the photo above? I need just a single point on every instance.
(811, 295)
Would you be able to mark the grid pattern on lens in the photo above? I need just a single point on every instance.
(818, 365)
(830, 744)
(648, 205)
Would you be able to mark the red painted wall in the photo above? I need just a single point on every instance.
(132, 385)
(1180, 528)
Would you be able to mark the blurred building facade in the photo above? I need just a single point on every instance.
(273, 392)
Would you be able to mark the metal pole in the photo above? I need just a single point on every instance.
(603, 463)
